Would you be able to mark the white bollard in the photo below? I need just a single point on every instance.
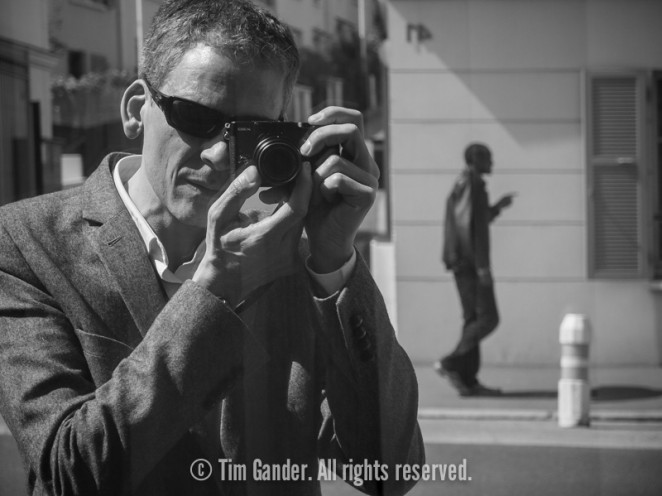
(574, 390)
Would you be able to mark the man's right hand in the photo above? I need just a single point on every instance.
(244, 253)
(505, 201)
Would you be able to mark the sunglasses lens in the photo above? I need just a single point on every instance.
(195, 119)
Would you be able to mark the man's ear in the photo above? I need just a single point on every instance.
(133, 102)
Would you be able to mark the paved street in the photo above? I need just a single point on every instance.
(625, 392)
(508, 458)
(511, 458)
(550, 470)
(512, 445)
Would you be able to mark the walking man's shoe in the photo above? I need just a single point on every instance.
(480, 390)
(453, 377)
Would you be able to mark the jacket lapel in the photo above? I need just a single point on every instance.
(120, 246)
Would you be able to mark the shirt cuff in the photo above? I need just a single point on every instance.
(336, 280)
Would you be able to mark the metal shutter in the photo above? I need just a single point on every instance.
(615, 112)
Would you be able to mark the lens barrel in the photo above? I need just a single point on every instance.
(277, 160)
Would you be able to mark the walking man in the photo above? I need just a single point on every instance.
(466, 252)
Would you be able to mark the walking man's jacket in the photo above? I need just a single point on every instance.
(466, 227)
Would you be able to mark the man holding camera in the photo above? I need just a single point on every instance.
(148, 324)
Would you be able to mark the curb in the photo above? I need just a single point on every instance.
(482, 414)
(652, 416)
(648, 416)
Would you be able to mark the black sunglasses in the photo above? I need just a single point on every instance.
(189, 117)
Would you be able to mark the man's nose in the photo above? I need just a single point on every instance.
(215, 153)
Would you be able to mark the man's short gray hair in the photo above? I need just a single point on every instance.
(245, 33)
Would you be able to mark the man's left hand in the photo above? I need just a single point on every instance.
(344, 187)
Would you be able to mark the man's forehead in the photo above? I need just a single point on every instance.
(204, 60)
(214, 65)
(210, 78)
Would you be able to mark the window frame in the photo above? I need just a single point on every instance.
(641, 159)
(655, 149)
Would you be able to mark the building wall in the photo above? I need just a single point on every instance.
(13, 25)
(88, 26)
(510, 73)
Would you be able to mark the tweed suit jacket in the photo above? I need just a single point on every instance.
(110, 388)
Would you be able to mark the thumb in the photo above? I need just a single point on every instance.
(227, 207)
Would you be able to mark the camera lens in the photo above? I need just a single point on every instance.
(278, 161)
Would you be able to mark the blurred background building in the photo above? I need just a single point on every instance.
(568, 96)
(26, 64)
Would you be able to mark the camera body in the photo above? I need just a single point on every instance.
(272, 146)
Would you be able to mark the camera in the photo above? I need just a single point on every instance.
(272, 146)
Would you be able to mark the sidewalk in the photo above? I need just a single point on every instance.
(619, 394)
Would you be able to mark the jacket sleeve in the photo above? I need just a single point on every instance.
(449, 250)
(371, 394)
(480, 223)
(494, 212)
(457, 243)
(77, 438)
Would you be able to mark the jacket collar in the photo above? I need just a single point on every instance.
(120, 246)
(101, 201)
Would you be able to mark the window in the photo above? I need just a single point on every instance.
(615, 163)
(345, 30)
(98, 63)
(95, 4)
(657, 172)
(321, 40)
(301, 104)
(334, 91)
(76, 63)
(18, 167)
(297, 34)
